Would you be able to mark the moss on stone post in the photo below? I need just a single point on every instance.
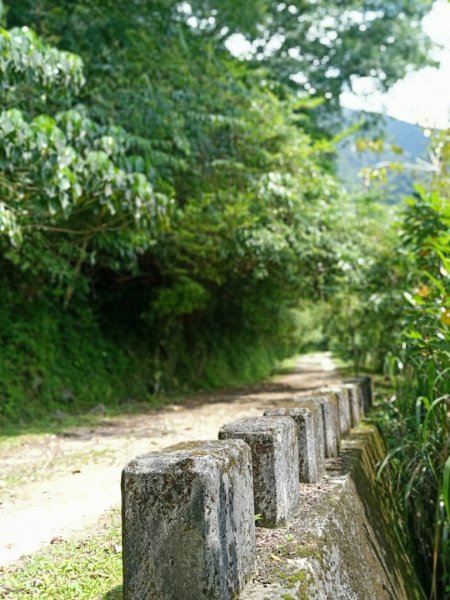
(188, 522)
(308, 418)
(274, 446)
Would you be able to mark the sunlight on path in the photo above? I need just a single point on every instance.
(72, 499)
(318, 362)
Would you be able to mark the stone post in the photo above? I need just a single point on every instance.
(188, 522)
(341, 395)
(330, 419)
(365, 381)
(355, 396)
(308, 417)
(366, 394)
(274, 446)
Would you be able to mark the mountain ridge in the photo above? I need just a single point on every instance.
(396, 135)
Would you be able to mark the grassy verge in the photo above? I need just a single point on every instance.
(60, 370)
(99, 390)
(83, 569)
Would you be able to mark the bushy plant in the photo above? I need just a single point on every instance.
(203, 248)
(418, 418)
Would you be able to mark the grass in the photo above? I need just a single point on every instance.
(87, 569)
(286, 366)
(57, 368)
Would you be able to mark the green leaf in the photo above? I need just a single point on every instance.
(446, 486)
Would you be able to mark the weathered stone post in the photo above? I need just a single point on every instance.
(355, 396)
(365, 381)
(330, 418)
(308, 417)
(188, 522)
(341, 395)
(368, 386)
(274, 446)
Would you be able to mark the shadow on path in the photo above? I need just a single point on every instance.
(114, 594)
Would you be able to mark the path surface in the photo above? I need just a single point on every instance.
(54, 486)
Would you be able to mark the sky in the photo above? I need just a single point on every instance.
(423, 96)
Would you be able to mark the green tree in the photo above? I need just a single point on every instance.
(315, 46)
(198, 202)
(69, 192)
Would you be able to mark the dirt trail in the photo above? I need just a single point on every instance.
(54, 486)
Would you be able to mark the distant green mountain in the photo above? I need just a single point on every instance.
(397, 135)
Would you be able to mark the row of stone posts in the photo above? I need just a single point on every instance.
(188, 512)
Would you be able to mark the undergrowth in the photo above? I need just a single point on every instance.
(58, 367)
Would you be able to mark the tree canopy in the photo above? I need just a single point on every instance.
(142, 163)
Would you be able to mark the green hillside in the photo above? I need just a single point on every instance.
(397, 135)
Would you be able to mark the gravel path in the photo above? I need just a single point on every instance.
(55, 486)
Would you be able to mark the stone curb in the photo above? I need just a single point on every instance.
(188, 512)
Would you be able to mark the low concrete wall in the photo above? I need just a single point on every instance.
(341, 543)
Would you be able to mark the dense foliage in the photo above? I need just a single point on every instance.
(314, 45)
(169, 188)
(395, 313)
(418, 423)
(188, 228)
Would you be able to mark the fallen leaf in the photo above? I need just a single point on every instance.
(276, 558)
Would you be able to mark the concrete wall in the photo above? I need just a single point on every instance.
(342, 543)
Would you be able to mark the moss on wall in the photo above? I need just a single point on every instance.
(342, 544)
